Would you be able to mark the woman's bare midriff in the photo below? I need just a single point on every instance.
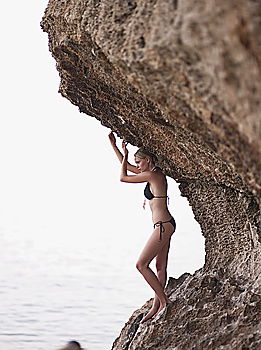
(159, 209)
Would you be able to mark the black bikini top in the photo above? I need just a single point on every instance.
(149, 195)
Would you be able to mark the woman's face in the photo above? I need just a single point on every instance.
(143, 164)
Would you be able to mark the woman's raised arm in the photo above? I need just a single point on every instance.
(140, 177)
(119, 155)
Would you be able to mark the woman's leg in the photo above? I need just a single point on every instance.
(161, 266)
(153, 247)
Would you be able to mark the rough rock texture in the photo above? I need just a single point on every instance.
(183, 79)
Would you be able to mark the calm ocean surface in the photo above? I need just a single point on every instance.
(52, 293)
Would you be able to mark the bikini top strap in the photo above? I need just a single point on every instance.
(163, 197)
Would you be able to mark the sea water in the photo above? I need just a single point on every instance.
(55, 292)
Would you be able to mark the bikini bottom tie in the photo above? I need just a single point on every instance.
(162, 228)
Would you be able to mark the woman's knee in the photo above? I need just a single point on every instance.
(141, 266)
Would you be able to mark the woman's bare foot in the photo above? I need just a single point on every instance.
(152, 311)
(161, 307)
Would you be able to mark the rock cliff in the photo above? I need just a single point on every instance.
(183, 79)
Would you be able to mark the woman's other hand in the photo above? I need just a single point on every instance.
(112, 138)
(124, 147)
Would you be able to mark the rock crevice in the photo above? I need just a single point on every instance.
(182, 79)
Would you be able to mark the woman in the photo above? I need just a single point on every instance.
(164, 224)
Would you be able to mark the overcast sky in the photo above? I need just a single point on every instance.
(58, 171)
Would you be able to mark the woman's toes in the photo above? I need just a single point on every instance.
(149, 314)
